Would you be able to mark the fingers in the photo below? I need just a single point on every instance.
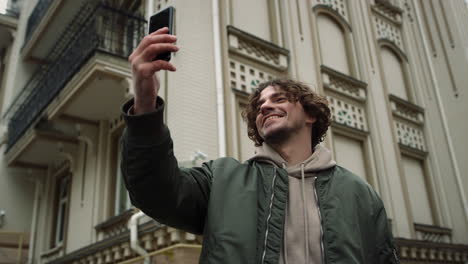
(152, 50)
(146, 70)
(163, 30)
(156, 43)
(150, 40)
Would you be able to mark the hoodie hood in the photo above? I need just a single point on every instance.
(321, 159)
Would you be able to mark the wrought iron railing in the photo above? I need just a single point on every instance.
(36, 16)
(97, 27)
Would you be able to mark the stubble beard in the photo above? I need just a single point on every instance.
(280, 135)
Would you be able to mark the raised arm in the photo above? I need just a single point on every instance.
(173, 196)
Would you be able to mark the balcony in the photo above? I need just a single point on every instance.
(88, 63)
(417, 251)
(158, 240)
(46, 21)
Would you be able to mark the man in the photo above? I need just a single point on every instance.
(290, 203)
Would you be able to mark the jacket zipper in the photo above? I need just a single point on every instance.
(269, 214)
(320, 218)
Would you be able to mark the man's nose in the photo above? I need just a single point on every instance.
(266, 107)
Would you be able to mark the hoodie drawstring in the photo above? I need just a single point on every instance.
(306, 224)
(285, 251)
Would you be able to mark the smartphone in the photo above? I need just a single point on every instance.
(164, 18)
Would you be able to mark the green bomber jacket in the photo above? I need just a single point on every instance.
(239, 208)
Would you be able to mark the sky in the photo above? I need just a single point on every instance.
(3, 4)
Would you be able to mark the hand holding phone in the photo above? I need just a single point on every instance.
(152, 55)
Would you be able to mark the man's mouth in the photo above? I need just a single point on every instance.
(271, 117)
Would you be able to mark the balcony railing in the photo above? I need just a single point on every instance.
(417, 251)
(432, 233)
(97, 27)
(36, 16)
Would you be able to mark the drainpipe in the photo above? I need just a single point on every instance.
(134, 243)
(219, 79)
(453, 157)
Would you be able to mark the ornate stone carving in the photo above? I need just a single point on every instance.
(388, 30)
(343, 84)
(347, 97)
(348, 113)
(409, 123)
(406, 110)
(433, 233)
(389, 9)
(417, 251)
(258, 50)
(340, 6)
(153, 236)
(244, 77)
(410, 135)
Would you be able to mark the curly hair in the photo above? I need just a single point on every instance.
(314, 105)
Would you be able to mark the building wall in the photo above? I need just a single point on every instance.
(383, 66)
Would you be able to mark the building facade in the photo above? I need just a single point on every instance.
(392, 70)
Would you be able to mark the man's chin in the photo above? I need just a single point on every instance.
(277, 136)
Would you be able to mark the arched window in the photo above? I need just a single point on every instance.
(394, 73)
(332, 44)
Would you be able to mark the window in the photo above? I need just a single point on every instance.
(332, 44)
(417, 189)
(350, 154)
(253, 17)
(122, 199)
(394, 73)
(61, 209)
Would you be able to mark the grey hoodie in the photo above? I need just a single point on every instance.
(302, 228)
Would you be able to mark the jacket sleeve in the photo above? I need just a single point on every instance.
(156, 185)
(386, 250)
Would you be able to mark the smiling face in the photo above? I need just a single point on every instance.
(278, 118)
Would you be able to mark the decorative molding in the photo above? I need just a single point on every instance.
(338, 6)
(409, 123)
(245, 78)
(52, 254)
(347, 97)
(388, 29)
(348, 113)
(433, 233)
(154, 237)
(343, 84)
(388, 9)
(417, 251)
(410, 135)
(258, 50)
(115, 225)
(406, 110)
(408, 10)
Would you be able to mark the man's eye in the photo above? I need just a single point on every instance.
(281, 99)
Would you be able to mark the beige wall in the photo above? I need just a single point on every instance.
(308, 30)
(17, 189)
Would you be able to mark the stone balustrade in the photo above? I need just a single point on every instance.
(433, 233)
(152, 237)
(417, 251)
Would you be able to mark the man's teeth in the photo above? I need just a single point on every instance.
(273, 117)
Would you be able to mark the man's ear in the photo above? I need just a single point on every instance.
(310, 120)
